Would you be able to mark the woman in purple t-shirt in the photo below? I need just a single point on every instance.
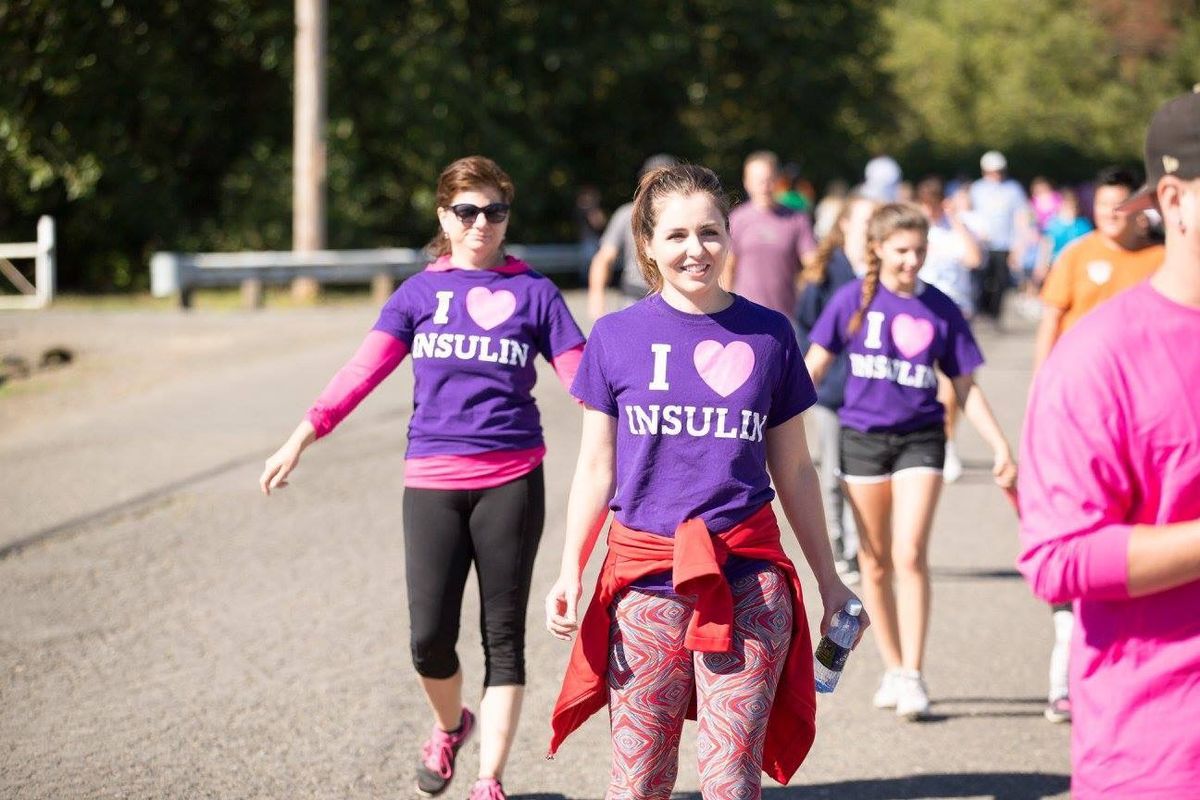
(693, 399)
(896, 330)
(473, 320)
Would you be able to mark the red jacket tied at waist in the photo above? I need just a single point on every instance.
(695, 557)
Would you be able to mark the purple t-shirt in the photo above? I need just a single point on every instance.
(891, 385)
(693, 396)
(769, 245)
(473, 335)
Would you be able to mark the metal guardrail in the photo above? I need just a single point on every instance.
(40, 293)
(180, 273)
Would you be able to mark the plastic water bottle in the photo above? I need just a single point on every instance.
(835, 646)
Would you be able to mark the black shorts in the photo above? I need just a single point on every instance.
(873, 457)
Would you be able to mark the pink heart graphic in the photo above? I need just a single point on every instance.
(489, 308)
(723, 367)
(911, 334)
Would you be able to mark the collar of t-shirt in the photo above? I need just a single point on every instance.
(510, 266)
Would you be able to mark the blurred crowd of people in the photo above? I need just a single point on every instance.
(1005, 238)
(1058, 250)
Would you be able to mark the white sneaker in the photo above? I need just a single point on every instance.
(889, 687)
(952, 468)
(912, 698)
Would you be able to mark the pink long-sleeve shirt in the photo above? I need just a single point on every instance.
(1112, 440)
(378, 355)
(376, 358)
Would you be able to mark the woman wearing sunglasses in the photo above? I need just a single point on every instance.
(473, 321)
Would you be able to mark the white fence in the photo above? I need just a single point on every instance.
(40, 293)
(178, 274)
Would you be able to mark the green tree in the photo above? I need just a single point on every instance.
(133, 122)
(1053, 82)
(166, 124)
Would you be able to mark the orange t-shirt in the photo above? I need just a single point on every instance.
(1090, 271)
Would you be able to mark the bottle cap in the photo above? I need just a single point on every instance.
(854, 607)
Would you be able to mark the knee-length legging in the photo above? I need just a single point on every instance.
(445, 531)
(652, 676)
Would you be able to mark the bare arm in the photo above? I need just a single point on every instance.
(598, 273)
(374, 360)
(1047, 334)
(286, 458)
(975, 407)
(972, 252)
(798, 487)
(818, 361)
(1043, 260)
(587, 509)
(1162, 557)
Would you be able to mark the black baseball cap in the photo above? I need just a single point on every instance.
(1172, 147)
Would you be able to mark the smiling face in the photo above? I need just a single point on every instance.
(900, 258)
(475, 242)
(689, 245)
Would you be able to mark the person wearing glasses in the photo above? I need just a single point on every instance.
(473, 321)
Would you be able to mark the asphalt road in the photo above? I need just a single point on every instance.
(167, 632)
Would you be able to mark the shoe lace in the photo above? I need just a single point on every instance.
(438, 753)
(487, 790)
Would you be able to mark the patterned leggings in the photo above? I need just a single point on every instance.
(652, 676)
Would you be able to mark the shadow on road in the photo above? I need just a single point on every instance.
(973, 574)
(132, 505)
(985, 708)
(996, 785)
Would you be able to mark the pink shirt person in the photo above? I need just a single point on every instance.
(1112, 441)
(769, 245)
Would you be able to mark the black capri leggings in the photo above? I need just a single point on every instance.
(445, 530)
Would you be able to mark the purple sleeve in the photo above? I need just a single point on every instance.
(396, 317)
(962, 355)
(558, 331)
(829, 329)
(591, 385)
(1075, 489)
(377, 356)
(794, 392)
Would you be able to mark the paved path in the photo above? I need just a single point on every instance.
(167, 632)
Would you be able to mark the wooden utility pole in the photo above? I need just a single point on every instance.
(309, 164)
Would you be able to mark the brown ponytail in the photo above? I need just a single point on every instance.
(886, 220)
(654, 187)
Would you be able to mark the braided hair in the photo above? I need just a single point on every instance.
(886, 220)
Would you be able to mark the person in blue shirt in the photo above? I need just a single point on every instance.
(1002, 205)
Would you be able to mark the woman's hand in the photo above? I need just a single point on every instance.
(286, 458)
(562, 604)
(834, 596)
(1004, 469)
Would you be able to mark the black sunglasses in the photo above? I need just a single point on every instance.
(467, 213)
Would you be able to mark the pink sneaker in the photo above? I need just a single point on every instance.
(487, 789)
(436, 767)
